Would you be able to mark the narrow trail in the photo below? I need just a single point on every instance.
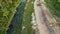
(39, 18)
(43, 18)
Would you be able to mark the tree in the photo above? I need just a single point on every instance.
(7, 11)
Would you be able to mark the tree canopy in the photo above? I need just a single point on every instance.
(7, 11)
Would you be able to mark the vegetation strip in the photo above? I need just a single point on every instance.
(28, 12)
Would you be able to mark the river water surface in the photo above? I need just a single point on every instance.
(15, 19)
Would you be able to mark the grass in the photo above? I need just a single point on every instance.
(54, 6)
(28, 11)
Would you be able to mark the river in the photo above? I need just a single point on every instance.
(15, 20)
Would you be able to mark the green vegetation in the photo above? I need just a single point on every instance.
(29, 9)
(7, 11)
(54, 6)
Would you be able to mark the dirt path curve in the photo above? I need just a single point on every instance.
(40, 20)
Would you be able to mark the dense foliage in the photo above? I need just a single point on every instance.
(7, 11)
(54, 6)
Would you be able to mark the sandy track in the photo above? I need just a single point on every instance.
(40, 19)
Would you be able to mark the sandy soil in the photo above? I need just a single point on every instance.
(39, 18)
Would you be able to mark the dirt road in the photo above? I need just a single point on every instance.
(40, 19)
(43, 18)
